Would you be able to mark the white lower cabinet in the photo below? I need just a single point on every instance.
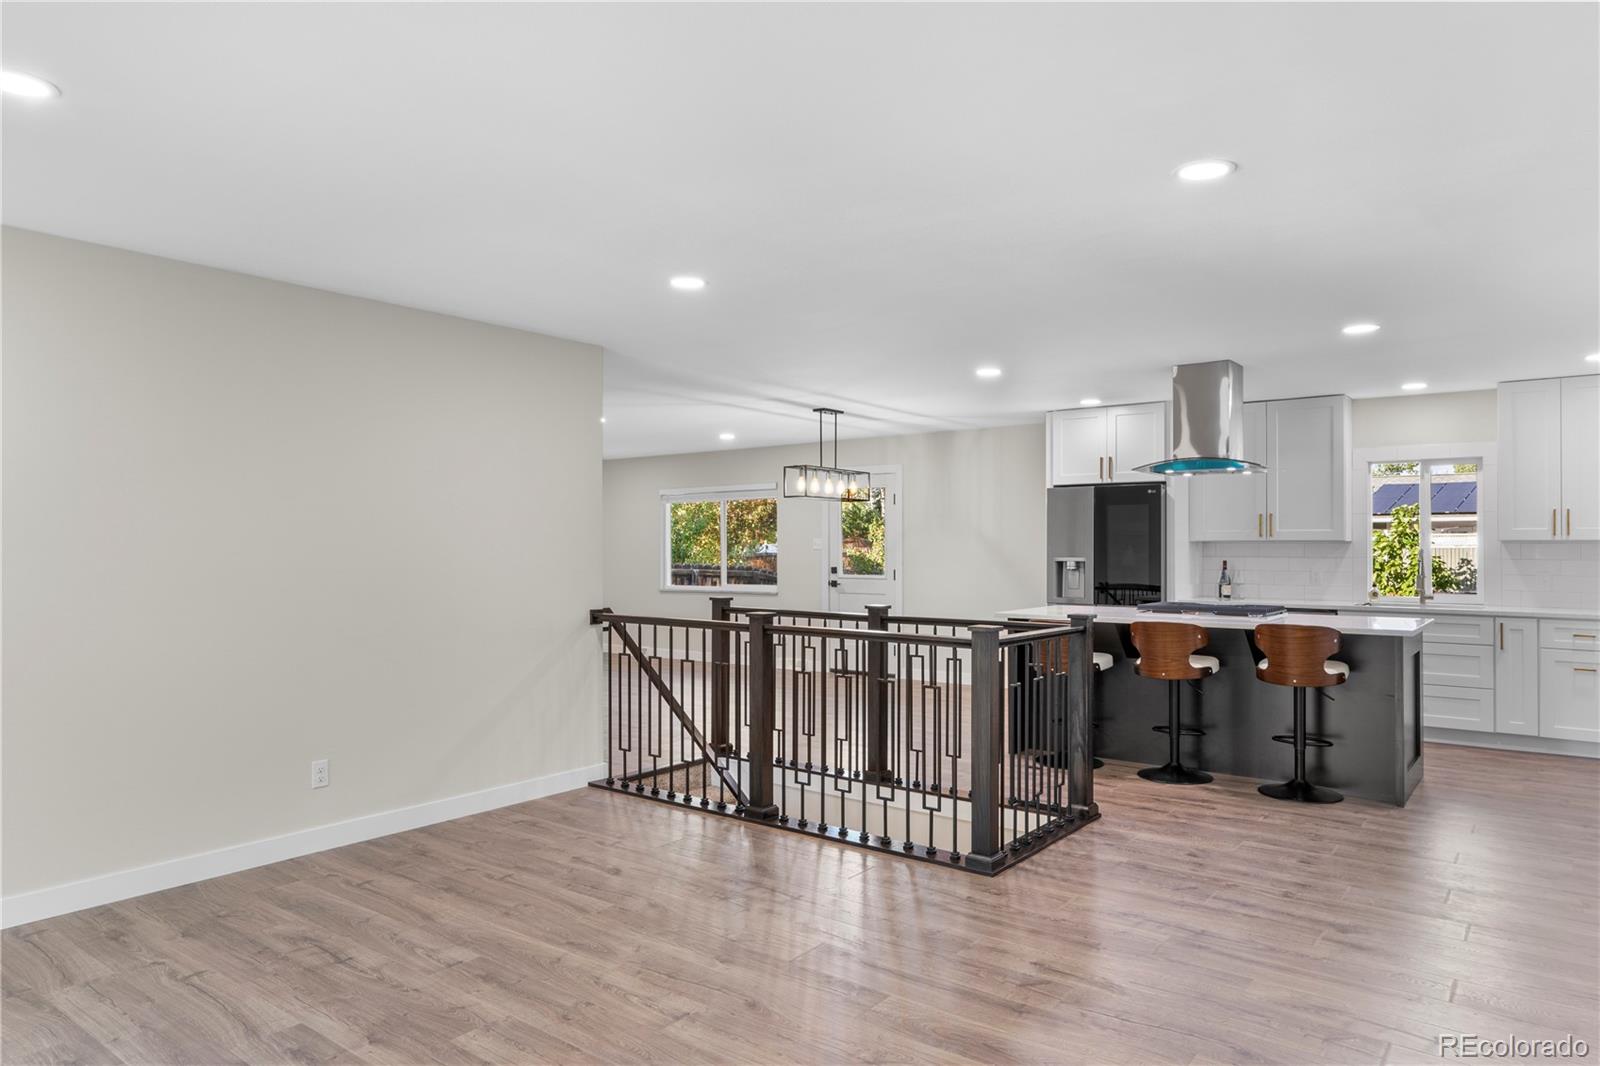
(1458, 675)
(1444, 707)
(1513, 677)
(1469, 665)
(1569, 694)
(1516, 676)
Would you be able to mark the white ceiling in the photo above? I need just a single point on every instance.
(882, 197)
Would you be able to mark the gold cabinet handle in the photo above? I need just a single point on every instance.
(1502, 636)
(1569, 521)
(1260, 531)
(1270, 533)
(1111, 468)
(1585, 669)
(1102, 469)
(1584, 636)
(1552, 521)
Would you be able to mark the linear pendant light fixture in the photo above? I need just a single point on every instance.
(824, 482)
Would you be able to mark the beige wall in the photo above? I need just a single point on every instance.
(248, 525)
(973, 506)
(1440, 418)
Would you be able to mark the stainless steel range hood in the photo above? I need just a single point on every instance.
(1207, 421)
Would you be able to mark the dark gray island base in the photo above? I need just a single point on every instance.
(1374, 719)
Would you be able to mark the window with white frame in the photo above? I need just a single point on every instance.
(720, 538)
(1424, 532)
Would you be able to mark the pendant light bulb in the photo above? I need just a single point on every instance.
(800, 482)
(827, 486)
(816, 486)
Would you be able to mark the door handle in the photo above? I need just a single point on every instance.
(832, 584)
(1260, 519)
(1552, 521)
(1502, 636)
(1111, 468)
(1101, 474)
(1569, 521)
(1270, 533)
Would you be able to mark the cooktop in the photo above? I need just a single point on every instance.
(1232, 610)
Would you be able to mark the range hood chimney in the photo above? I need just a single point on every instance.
(1207, 421)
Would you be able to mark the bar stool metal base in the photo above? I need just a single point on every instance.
(1304, 791)
(1297, 787)
(1175, 774)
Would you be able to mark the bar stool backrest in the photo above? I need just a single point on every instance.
(1165, 647)
(1295, 655)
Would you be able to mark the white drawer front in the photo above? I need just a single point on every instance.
(1569, 694)
(1578, 636)
(1446, 630)
(1458, 665)
(1458, 708)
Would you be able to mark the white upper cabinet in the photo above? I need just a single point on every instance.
(1097, 444)
(1075, 445)
(1304, 494)
(1231, 506)
(1308, 467)
(1580, 457)
(1135, 436)
(1530, 459)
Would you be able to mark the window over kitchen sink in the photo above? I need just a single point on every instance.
(1424, 537)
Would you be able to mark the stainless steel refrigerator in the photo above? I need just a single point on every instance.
(1106, 544)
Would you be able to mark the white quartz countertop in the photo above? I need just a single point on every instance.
(1383, 625)
(1576, 613)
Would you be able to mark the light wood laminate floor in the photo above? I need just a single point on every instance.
(1189, 925)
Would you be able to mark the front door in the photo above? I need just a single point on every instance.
(863, 564)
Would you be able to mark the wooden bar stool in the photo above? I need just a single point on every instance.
(1300, 656)
(1167, 653)
(1057, 664)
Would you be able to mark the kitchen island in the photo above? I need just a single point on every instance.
(1374, 719)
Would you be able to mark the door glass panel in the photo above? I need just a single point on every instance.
(861, 536)
(696, 536)
(753, 542)
(1396, 537)
(1453, 527)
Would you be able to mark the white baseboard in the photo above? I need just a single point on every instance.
(1468, 738)
(41, 903)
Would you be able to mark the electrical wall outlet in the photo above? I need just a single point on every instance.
(319, 773)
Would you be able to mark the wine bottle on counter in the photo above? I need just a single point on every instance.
(1224, 583)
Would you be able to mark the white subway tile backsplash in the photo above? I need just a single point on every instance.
(1524, 574)
(1545, 574)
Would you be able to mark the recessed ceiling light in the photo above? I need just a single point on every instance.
(987, 371)
(724, 436)
(1360, 329)
(1089, 401)
(1206, 170)
(1414, 386)
(602, 420)
(16, 83)
(687, 283)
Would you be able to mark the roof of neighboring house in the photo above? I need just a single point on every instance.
(1449, 497)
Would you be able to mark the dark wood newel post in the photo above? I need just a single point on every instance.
(763, 702)
(877, 768)
(1080, 718)
(720, 677)
(986, 852)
